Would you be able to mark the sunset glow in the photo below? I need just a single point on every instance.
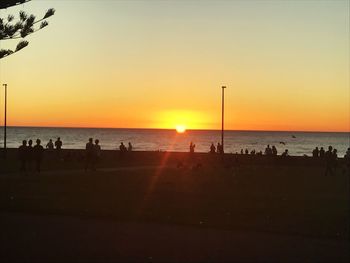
(180, 128)
(285, 65)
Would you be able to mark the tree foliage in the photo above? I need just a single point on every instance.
(21, 27)
(9, 3)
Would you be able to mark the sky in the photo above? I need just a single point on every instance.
(160, 64)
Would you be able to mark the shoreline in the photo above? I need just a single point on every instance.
(11, 150)
(73, 159)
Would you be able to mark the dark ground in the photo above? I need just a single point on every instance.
(143, 208)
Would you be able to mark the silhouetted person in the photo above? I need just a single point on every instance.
(347, 160)
(322, 153)
(252, 152)
(122, 149)
(219, 148)
(58, 145)
(335, 159)
(212, 148)
(315, 153)
(285, 153)
(242, 152)
(50, 145)
(29, 155)
(246, 151)
(274, 151)
(347, 154)
(268, 150)
(22, 156)
(329, 161)
(38, 152)
(97, 152)
(89, 155)
(192, 146)
(129, 147)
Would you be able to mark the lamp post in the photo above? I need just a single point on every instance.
(5, 122)
(222, 117)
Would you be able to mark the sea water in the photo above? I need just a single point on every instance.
(297, 143)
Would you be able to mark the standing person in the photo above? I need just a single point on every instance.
(129, 147)
(22, 155)
(329, 161)
(212, 148)
(285, 153)
(221, 149)
(122, 149)
(192, 146)
(218, 148)
(97, 153)
(268, 150)
(274, 150)
(347, 160)
(321, 153)
(29, 155)
(38, 152)
(49, 145)
(335, 159)
(89, 155)
(315, 152)
(58, 145)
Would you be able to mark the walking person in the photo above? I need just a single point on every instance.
(38, 152)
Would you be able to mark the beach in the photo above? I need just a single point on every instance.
(236, 198)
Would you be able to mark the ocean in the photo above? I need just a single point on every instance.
(297, 143)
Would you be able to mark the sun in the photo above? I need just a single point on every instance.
(180, 128)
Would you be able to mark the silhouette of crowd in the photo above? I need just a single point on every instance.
(93, 153)
(31, 156)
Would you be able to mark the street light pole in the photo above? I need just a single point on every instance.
(222, 117)
(5, 123)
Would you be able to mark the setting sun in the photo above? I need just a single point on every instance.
(180, 128)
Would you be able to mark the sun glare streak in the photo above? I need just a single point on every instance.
(154, 179)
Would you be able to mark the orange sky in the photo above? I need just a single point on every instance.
(159, 64)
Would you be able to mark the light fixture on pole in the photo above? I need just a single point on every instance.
(222, 117)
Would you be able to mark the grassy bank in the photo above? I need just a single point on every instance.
(292, 197)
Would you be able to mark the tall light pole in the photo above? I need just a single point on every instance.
(5, 123)
(222, 116)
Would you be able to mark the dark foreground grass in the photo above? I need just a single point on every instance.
(293, 200)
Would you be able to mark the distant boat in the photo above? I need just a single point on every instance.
(293, 136)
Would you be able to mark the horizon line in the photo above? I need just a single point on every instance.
(171, 129)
